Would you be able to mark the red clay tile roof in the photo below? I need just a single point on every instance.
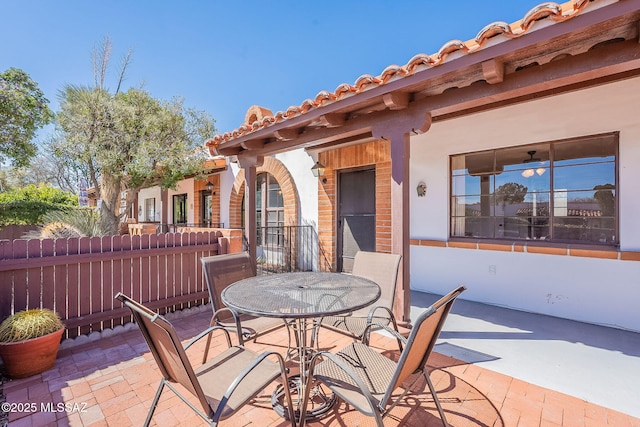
(554, 11)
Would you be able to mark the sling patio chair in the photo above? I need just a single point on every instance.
(219, 272)
(383, 269)
(367, 379)
(222, 385)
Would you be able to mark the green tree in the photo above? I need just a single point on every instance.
(29, 205)
(128, 140)
(510, 193)
(606, 198)
(23, 110)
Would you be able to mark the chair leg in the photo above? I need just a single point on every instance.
(154, 403)
(206, 348)
(435, 399)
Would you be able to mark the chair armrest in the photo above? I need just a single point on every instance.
(373, 310)
(347, 370)
(246, 371)
(397, 335)
(367, 331)
(206, 332)
(236, 319)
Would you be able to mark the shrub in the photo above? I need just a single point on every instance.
(29, 205)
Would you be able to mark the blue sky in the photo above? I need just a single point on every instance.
(223, 57)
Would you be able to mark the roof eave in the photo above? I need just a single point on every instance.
(294, 132)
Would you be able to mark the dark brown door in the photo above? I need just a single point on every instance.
(356, 215)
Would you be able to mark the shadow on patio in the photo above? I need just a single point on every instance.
(111, 381)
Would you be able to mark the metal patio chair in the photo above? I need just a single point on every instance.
(383, 269)
(219, 272)
(367, 379)
(222, 385)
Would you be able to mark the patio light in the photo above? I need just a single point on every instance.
(318, 170)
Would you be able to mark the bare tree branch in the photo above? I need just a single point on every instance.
(101, 56)
(126, 60)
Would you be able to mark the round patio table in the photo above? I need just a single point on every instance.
(300, 298)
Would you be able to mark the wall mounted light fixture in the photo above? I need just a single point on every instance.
(209, 187)
(318, 171)
(421, 189)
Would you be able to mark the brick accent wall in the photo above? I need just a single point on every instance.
(198, 187)
(376, 154)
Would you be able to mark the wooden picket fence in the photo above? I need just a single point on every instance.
(79, 277)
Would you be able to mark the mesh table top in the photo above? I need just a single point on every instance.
(300, 295)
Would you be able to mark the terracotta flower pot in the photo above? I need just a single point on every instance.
(26, 358)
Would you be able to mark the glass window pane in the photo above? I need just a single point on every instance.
(537, 179)
(150, 209)
(510, 196)
(584, 177)
(467, 185)
(585, 229)
(600, 148)
(521, 195)
(532, 204)
(472, 164)
(258, 197)
(522, 158)
(275, 196)
(598, 203)
(472, 206)
(472, 227)
(523, 227)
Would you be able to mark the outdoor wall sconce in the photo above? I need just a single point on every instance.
(318, 171)
(421, 189)
(209, 187)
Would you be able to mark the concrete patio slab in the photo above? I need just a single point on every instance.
(591, 362)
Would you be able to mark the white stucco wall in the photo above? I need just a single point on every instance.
(586, 289)
(299, 164)
(227, 178)
(184, 186)
(149, 193)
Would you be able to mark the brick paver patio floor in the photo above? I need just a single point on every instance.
(112, 381)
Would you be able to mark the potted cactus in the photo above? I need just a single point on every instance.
(29, 342)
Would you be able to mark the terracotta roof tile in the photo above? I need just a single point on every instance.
(551, 10)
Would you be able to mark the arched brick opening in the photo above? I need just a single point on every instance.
(287, 185)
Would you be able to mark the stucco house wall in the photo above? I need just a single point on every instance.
(184, 186)
(149, 193)
(591, 289)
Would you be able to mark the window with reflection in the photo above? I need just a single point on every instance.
(269, 210)
(562, 191)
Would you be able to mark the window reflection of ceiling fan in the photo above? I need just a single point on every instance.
(528, 173)
(531, 159)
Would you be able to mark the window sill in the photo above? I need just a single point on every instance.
(534, 247)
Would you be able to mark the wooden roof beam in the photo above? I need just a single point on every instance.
(396, 100)
(286, 134)
(493, 71)
(253, 144)
(332, 120)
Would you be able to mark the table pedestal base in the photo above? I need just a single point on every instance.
(320, 403)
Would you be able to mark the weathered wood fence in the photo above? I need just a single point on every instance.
(78, 278)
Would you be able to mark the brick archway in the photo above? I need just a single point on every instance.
(289, 193)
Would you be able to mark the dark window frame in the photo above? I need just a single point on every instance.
(558, 226)
(180, 202)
